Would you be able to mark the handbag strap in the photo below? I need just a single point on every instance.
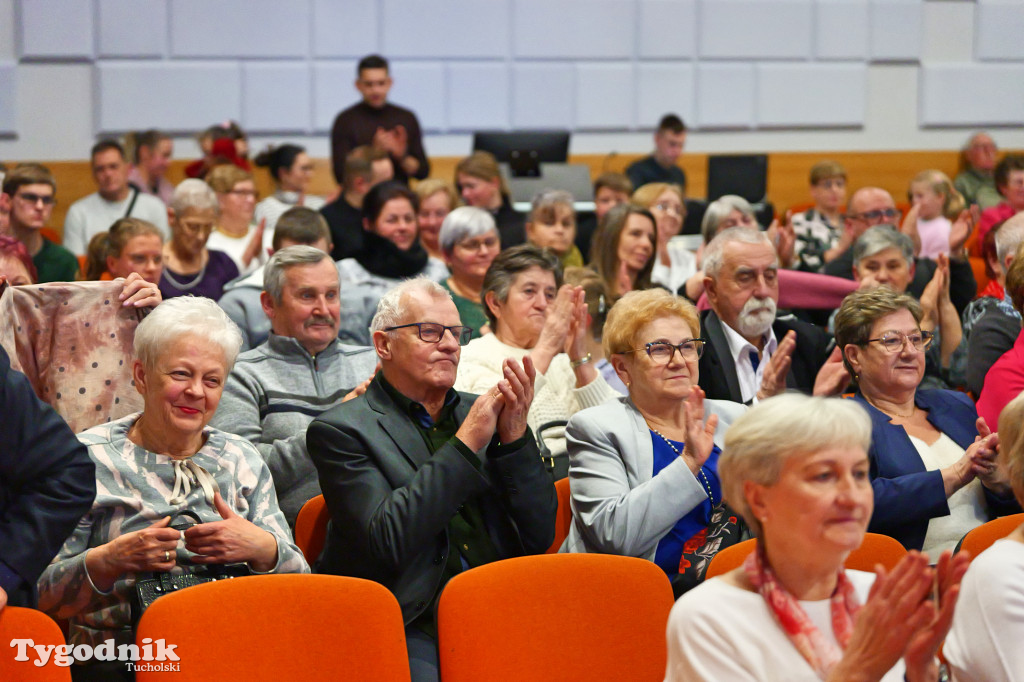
(189, 514)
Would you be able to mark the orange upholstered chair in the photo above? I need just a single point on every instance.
(280, 627)
(875, 549)
(311, 528)
(19, 623)
(563, 519)
(555, 617)
(982, 537)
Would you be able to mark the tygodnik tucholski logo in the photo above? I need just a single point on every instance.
(163, 659)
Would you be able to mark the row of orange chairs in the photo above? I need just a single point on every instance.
(563, 617)
(515, 619)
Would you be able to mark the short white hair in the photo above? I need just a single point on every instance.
(1009, 238)
(464, 222)
(714, 253)
(177, 317)
(790, 424)
(719, 209)
(390, 310)
(194, 194)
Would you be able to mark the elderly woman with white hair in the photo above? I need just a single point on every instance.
(469, 242)
(190, 267)
(796, 468)
(157, 465)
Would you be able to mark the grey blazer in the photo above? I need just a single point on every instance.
(618, 507)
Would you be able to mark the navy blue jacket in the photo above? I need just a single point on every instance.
(47, 482)
(906, 495)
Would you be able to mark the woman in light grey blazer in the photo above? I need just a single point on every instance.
(643, 469)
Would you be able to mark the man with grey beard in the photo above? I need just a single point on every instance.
(276, 389)
(750, 354)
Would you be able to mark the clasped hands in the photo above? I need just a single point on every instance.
(234, 539)
(502, 409)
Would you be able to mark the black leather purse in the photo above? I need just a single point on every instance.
(151, 585)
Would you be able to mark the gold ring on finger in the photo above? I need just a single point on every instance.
(167, 555)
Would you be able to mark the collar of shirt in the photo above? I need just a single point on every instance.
(749, 377)
(415, 410)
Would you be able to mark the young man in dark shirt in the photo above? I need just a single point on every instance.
(364, 167)
(375, 121)
(669, 140)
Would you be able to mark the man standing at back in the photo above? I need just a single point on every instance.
(377, 122)
(115, 198)
(669, 140)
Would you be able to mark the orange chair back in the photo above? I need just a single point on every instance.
(52, 235)
(555, 617)
(280, 627)
(311, 528)
(982, 537)
(730, 558)
(19, 623)
(563, 519)
(875, 549)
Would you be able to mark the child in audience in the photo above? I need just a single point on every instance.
(938, 204)
(130, 245)
(552, 225)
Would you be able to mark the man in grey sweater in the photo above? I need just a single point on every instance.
(301, 370)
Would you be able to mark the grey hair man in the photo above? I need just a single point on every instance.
(422, 481)
(301, 370)
(750, 353)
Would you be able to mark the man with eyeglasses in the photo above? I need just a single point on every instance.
(423, 482)
(115, 198)
(872, 206)
(29, 194)
(750, 354)
(276, 389)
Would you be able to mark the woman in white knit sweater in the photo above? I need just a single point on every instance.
(532, 314)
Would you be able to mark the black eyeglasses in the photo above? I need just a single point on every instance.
(661, 352)
(33, 199)
(893, 341)
(431, 332)
(878, 216)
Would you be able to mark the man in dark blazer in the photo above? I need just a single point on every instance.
(421, 481)
(47, 482)
(750, 353)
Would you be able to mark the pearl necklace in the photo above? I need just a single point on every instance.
(700, 472)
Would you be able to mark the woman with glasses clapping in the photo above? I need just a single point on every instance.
(932, 459)
(643, 469)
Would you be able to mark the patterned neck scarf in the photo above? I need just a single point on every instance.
(818, 651)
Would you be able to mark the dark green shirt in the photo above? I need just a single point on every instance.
(469, 543)
(55, 263)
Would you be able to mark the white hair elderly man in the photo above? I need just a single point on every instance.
(301, 370)
(750, 354)
(423, 482)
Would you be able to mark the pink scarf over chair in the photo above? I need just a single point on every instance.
(816, 649)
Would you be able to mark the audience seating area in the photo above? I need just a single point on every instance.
(517, 619)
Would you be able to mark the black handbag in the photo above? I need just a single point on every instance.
(725, 528)
(151, 585)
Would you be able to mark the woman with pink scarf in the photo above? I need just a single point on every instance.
(796, 468)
